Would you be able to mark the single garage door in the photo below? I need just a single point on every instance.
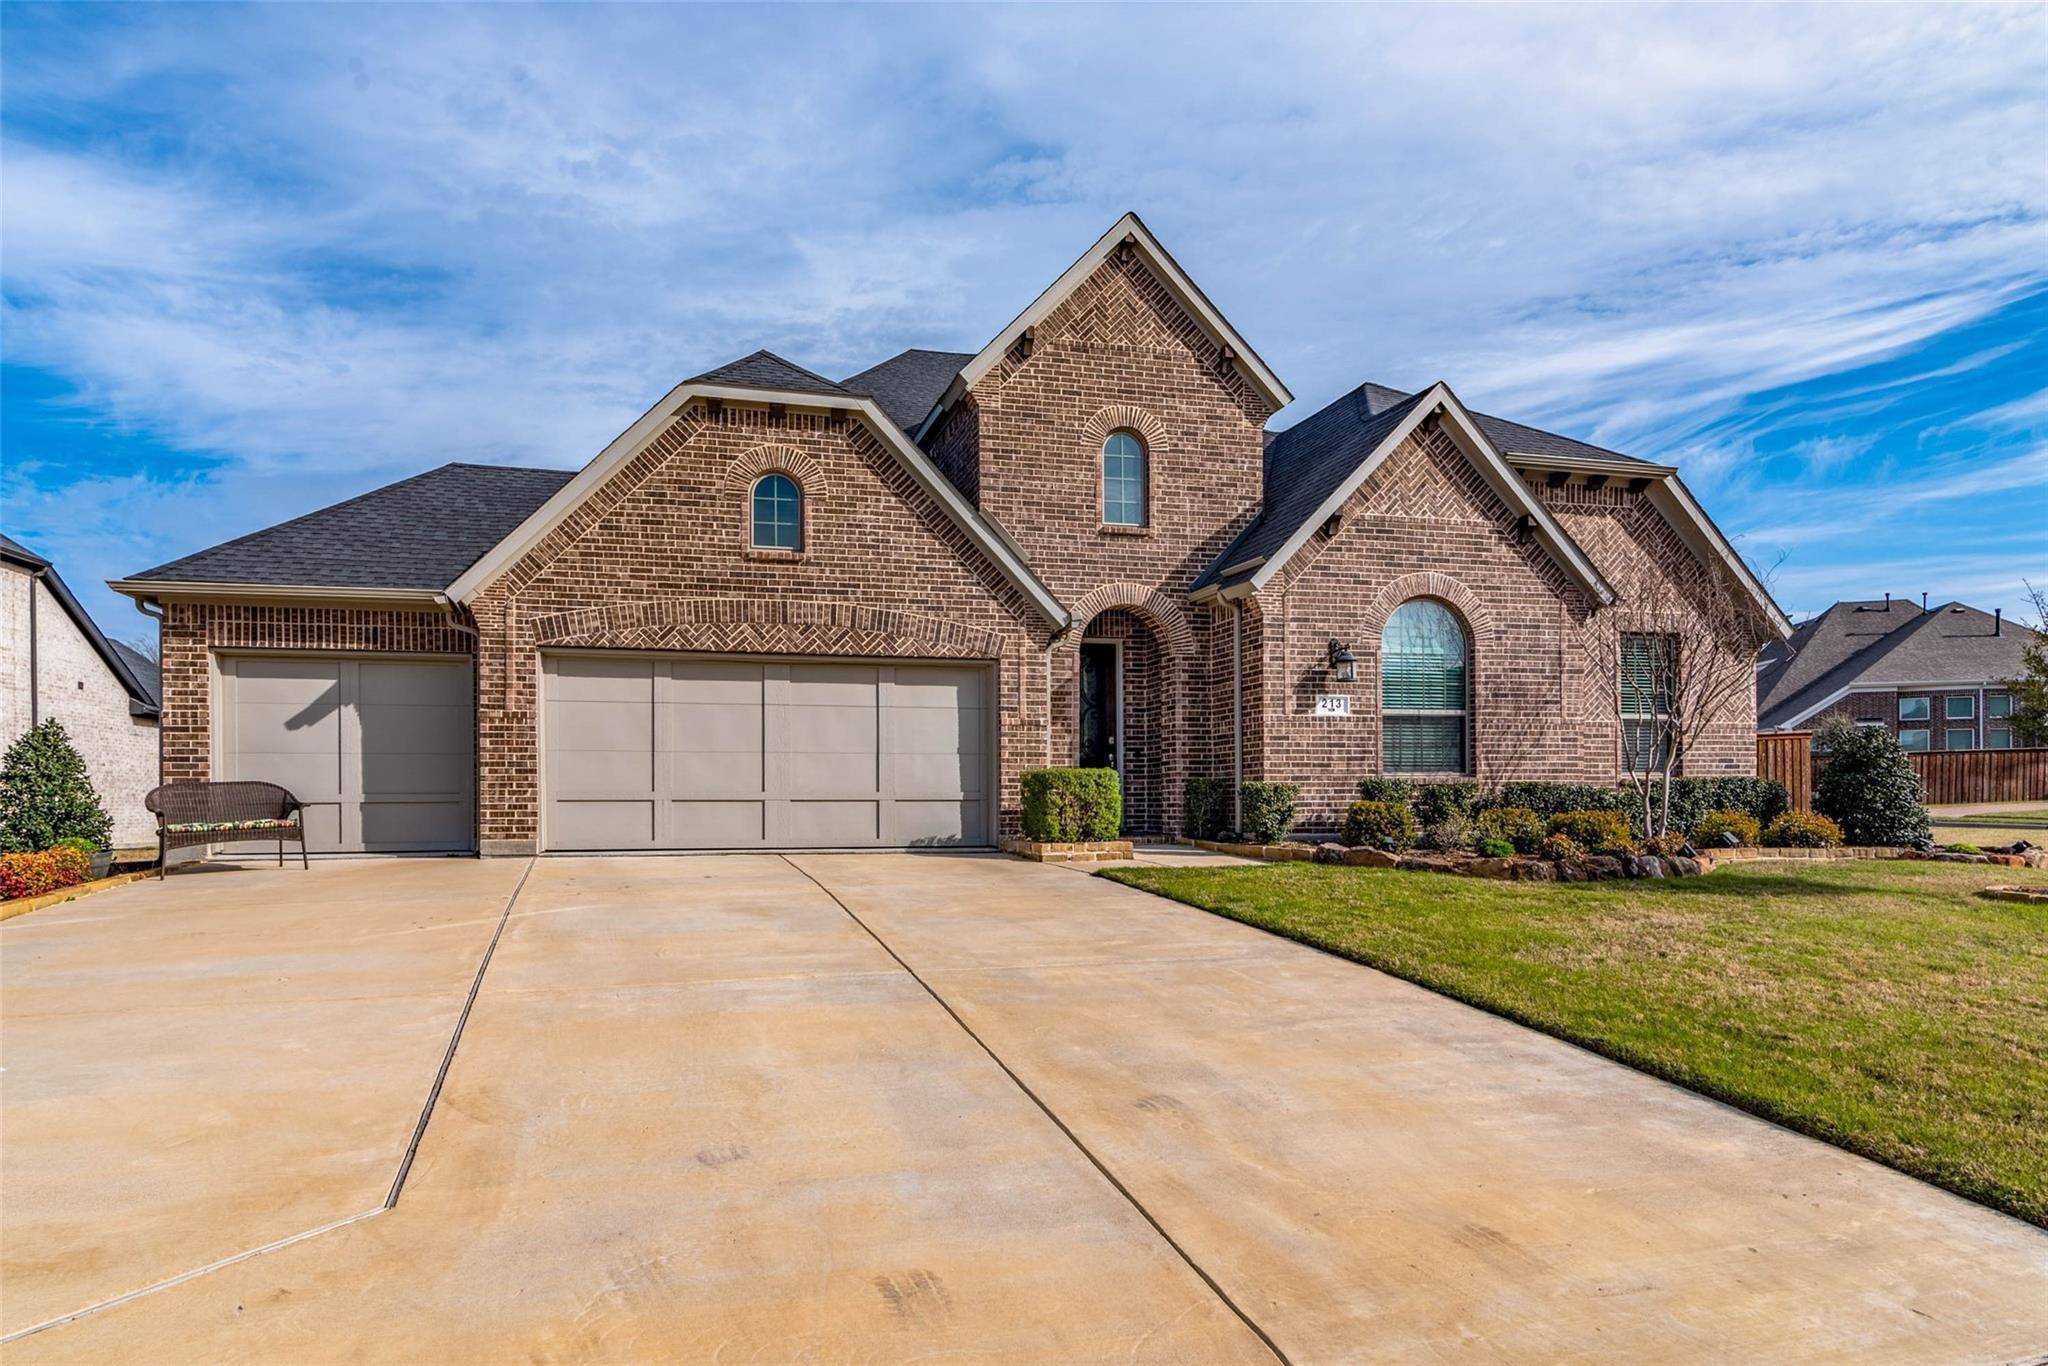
(683, 752)
(378, 749)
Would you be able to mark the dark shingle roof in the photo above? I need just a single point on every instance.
(907, 386)
(136, 674)
(1872, 643)
(1306, 463)
(766, 370)
(420, 532)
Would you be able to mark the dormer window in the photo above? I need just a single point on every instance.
(778, 513)
(1123, 480)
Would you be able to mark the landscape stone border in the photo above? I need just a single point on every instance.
(1086, 851)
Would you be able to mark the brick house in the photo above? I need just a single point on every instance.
(786, 611)
(56, 664)
(1933, 677)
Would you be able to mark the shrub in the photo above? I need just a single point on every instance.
(1550, 799)
(1709, 829)
(31, 873)
(1453, 832)
(82, 845)
(1374, 824)
(1435, 803)
(1560, 847)
(1801, 830)
(46, 794)
(1763, 800)
(1666, 845)
(1385, 790)
(1603, 832)
(1868, 786)
(1518, 825)
(1496, 848)
(1962, 847)
(1205, 808)
(1063, 805)
(1269, 810)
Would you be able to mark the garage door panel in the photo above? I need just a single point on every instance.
(409, 683)
(716, 682)
(410, 775)
(834, 775)
(717, 825)
(287, 682)
(287, 728)
(399, 826)
(601, 824)
(830, 823)
(309, 777)
(772, 752)
(581, 724)
(434, 730)
(575, 678)
(936, 822)
(714, 727)
(593, 773)
(716, 775)
(934, 775)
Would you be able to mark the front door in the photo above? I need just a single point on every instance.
(1101, 707)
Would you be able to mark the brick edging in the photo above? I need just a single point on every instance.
(23, 905)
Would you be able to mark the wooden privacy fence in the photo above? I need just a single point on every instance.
(1947, 777)
(1983, 775)
(1788, 757)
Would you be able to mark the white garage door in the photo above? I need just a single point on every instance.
(679, 752)
(378, 749)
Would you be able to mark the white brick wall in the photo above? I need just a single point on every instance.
(76, 687)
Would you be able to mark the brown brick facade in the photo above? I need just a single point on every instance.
(1883, 707)
(658, 558)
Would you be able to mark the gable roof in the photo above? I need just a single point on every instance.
(1883, 644)
(766, 370)
(718, 384)
(419, 534)
(1129, 228)
(908, 384)
(1510, 438)
(1309, 478)
(131, 669)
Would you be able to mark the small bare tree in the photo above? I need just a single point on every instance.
(1673, 660)
(2029, 688)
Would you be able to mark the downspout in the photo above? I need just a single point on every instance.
(1236, 717)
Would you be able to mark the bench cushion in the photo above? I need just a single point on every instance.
(195, 827)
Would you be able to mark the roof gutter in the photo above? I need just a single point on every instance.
(328, 595)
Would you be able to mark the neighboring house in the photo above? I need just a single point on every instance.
(781, 610)
(56, 664)
(1932, 677)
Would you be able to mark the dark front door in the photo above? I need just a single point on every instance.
(1099, 691)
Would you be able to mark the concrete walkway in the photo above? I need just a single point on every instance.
(898, 1106)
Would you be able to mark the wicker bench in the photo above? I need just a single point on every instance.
(211, 813)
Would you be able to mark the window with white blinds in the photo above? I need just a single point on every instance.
(1649, 667)
(1424, 692)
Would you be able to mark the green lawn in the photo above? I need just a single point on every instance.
(1880, 1006)
(1984, 829)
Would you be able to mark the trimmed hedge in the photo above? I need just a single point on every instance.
(1707, 831)
(1270, 810)
(1373, 824)
(1799, 830)
(1603, 832)
(1385, 790)
(1436, 803)
(1068, 805)
(1518, 825)
(1205, 808)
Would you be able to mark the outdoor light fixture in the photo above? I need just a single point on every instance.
(1343, 663)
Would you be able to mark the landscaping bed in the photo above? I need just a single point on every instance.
(1878, 1004)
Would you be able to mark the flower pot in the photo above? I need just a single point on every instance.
(102, 859)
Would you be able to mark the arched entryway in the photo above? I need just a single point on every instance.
(1121, 706)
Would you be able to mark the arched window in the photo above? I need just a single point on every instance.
(778, 513)
(1123, 480)
(1424, 697)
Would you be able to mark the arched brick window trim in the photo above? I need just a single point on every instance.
(1479, 640)
(1123, 417)
(747, 469)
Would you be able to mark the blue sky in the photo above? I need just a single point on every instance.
(255, 260)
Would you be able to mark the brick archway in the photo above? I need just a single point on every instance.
(1158, 642)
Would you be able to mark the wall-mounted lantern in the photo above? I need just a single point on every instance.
(1343, 663)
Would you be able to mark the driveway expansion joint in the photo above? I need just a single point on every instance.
(1075, 1139)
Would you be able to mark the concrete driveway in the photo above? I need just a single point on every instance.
(880, 1107)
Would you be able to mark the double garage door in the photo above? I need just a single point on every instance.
(683, 752)
(378, 749)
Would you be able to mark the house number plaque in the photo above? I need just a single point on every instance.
(1333, 704)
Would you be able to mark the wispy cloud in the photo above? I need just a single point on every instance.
(273, 255)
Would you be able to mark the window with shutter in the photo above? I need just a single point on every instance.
(1424, 698)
